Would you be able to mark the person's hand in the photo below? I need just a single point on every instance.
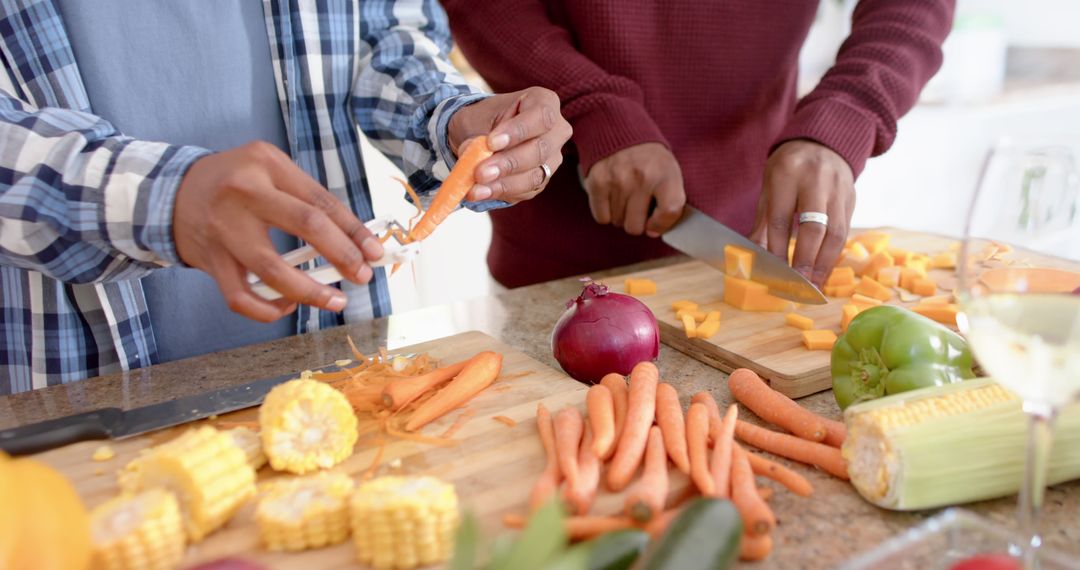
(804, 176)
(227, 203)
(525, 129)
(622, 187)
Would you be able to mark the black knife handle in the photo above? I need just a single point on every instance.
(50, 434)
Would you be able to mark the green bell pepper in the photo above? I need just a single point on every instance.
(889, 350)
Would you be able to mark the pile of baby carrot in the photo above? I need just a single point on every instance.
(642, 425)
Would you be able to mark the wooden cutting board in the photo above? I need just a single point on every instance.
(492, 468)
(761, 341)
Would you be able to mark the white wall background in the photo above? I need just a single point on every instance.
(924, 182)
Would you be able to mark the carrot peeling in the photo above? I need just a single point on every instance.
(772, 406)
(458, 423)
(507, 421)
(819, 455)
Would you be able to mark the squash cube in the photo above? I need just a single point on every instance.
(855, 257)
(900, 256)
(751, 296)
(799, 321)
(841, 276)
(908, 275)
(863, 302)
(944, 260)
(689, 325)
(924, 286)
(640, 287)
(684, 304)
(878, 261)
(942, 313)
(738, 262)
(849, 312)
(707, 329)
(889, 276)
(839, 290)
(819, 339)
(874, 241)
(867, 286)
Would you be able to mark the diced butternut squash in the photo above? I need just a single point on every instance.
(689, 325)
(943, 260)
(707, 329)
(863, 302)
(712, 316)
(841, 276)
(684, 304)
(873, 241)
(908, 275)
(799, 321)
(942, 313)
(888, 276)
(640, 287)
(855, 257)
(738, 261)
(924, 286)
(849, 312)
(750, 296)
(918, 261)
(937, 300)
(900, 256)
(871, 288)
(839, 290)
(819, 339)
(697, 314)
(878, 261)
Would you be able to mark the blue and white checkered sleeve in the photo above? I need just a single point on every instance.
(80, 202)
(407, 89)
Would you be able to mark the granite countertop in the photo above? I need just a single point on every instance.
(820, 532)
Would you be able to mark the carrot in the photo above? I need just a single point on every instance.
(793, 481)
(581, 493)
(568, 429)
(659, 524)
(835, 433)
(619, 396)
(755, 547)
(578, 528)
(714, 412)
(772, 406)
(401, 393)
(697, 431)
(669, 416)
(646, 499)
(549, 479)
(507, 421)
(479, 373)
(602, 419)
(640, 411)
(720, 464)
(757, 517)
(817, 454)
(453, 190)
(765, 493)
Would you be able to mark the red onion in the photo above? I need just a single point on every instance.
(603, 332)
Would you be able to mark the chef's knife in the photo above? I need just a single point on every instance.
(704, 238)
(115, 423)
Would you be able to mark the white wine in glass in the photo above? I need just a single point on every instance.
(1020, 294)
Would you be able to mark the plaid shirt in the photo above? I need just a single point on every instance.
(85, 211)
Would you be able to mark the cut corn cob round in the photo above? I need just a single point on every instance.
(947, 445)
(404, 522)
(306, 425)
(249, 441)
(305, 512)
(138, 532)
(208, 473)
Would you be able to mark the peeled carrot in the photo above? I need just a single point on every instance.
(640, 412)
(646, 498)
(753, 548)
(772, 406)
(569, 427)
(817, 454)
(720, 462)
(697, 432)
(479, 372)
(835, 433)
(793, 481)
(669, 416)
(453, 190)
(579, 528)
(757, 517)
(549, 479)
(714, 412)
(619, 396)
(400, 393)
(601, 418)
(581, 493)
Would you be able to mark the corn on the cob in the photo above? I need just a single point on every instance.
(404, 522)
(249, 441)
(947, 445)
(305, 512)
(208, 472)
(138, 532)
(306, 425)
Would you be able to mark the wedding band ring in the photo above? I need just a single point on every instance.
(547, 173)
(814, 217)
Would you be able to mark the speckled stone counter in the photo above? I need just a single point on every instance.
(817, 532)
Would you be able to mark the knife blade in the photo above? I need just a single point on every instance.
(703, 238)
(115, 423)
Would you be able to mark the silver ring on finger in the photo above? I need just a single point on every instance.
(547, 173)
(814, 218)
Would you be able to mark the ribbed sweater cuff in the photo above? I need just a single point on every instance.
(610, 126)
(836, 125)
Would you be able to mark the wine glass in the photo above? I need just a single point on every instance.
(1019, 276)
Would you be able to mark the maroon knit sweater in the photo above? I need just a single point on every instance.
(713, 81)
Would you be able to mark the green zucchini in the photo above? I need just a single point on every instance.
(705, 536)
(612, 551)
